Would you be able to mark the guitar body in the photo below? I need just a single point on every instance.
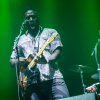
(28, 76)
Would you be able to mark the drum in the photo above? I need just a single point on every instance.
(94, 88)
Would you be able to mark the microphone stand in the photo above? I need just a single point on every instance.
(96, 58)
(18, 65)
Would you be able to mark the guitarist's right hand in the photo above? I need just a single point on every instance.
(41, 60)
(14, 61)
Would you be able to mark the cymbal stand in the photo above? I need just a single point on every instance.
(82, 80)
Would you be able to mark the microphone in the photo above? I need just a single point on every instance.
(24, 23)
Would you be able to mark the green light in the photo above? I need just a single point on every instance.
(5, 38)
(48, 12)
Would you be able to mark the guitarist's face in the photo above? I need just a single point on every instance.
(32, 20)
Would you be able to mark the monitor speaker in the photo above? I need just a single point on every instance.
(87, 96)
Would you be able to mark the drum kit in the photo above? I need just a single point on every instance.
(86, 69)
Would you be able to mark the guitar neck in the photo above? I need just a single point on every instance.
(33, 62)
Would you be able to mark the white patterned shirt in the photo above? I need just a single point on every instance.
(28, 45)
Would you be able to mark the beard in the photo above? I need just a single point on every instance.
(32, 24)
(33, 28)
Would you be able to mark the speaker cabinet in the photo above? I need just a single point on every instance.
(88, 96)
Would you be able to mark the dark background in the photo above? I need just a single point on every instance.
(78, 23)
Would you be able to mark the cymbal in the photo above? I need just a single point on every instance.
(81, 68)
(95, 76)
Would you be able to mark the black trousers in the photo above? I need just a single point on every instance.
(47, 90)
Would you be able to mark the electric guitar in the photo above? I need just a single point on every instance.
(29, 71)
